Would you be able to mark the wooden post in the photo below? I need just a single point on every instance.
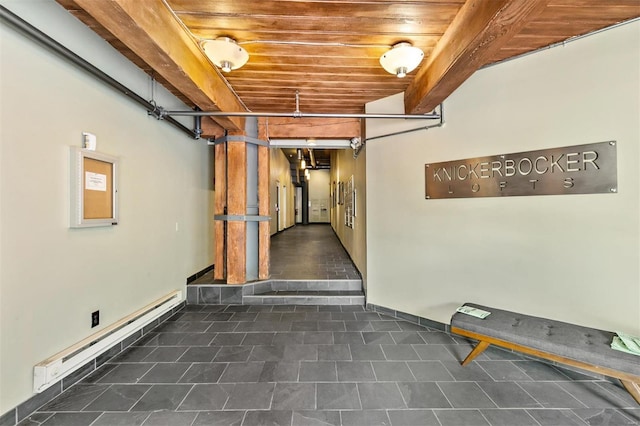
(235, 160)
(264, 234)
(220, 187)
(236, 205)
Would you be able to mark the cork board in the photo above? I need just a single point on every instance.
(94, 189)
(98, 189)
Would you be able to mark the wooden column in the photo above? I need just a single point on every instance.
(242, 212)
(236, 205)
(220, 188)
(264, 195)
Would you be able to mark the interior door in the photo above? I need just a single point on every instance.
(278, 206)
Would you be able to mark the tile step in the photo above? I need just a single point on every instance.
(312, 293)
(306, 298)
(321, 292)
(310, 285)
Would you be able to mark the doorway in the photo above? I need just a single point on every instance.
(298, 204)
(283, 208)
(278, 206)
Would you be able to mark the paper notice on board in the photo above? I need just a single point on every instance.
(95, 181)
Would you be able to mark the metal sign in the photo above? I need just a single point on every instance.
(579, 169)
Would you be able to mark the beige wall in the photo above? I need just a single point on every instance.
(343, 166)
(574, 258)
(53, 277)
(281, 176)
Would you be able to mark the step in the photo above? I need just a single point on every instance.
(327, 293)
(319, 285)
(279, 292)
(306, 297)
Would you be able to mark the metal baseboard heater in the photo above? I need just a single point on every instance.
(65, 362)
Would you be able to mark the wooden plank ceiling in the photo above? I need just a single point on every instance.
(329, 50)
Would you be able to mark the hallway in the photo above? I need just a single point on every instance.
(305, 252)
(310, 252)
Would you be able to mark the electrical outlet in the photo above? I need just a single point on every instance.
(95, 318)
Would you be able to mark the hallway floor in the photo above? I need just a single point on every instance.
(310, 252)
(305, 252)
(325, 365)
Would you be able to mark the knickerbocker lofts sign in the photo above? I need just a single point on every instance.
(579, 169)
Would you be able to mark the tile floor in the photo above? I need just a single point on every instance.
(325, 365)
(310, 252)
(305, 252)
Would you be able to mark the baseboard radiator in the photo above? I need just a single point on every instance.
(65, 362)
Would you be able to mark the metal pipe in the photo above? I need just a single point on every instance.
(27, 29)
(312, 158)
(301, 115)
(402, 132)
(197, 125)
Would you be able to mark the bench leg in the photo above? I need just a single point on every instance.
(480, 347)
(633, 389)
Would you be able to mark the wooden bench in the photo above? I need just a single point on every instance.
(585, 348)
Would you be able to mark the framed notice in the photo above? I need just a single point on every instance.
(349, 202)
(94, 189)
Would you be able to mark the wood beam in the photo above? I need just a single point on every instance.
(150, 30)
(479, 30)
(211, 129)
(236, 205)
(236, 252)
(264, 234)
(220, 204)
(237, 178)
(264, 204)
(304, 128)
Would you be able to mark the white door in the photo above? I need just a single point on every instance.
(278, 221)
(298, 203)
(283, 207)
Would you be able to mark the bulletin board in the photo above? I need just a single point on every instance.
(94, 189)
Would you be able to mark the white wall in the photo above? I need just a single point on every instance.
(280, 173)
(354, 240)
(574, 258)
(53, 277)
(319, 198)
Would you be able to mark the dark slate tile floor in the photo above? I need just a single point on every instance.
(310, 252)
(325, 365)
(305, 252)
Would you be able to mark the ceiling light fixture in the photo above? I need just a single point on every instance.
(401, 59)
(225, 53)
(303, 164)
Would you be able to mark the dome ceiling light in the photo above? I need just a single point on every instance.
(225, 53)
(401, 59)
